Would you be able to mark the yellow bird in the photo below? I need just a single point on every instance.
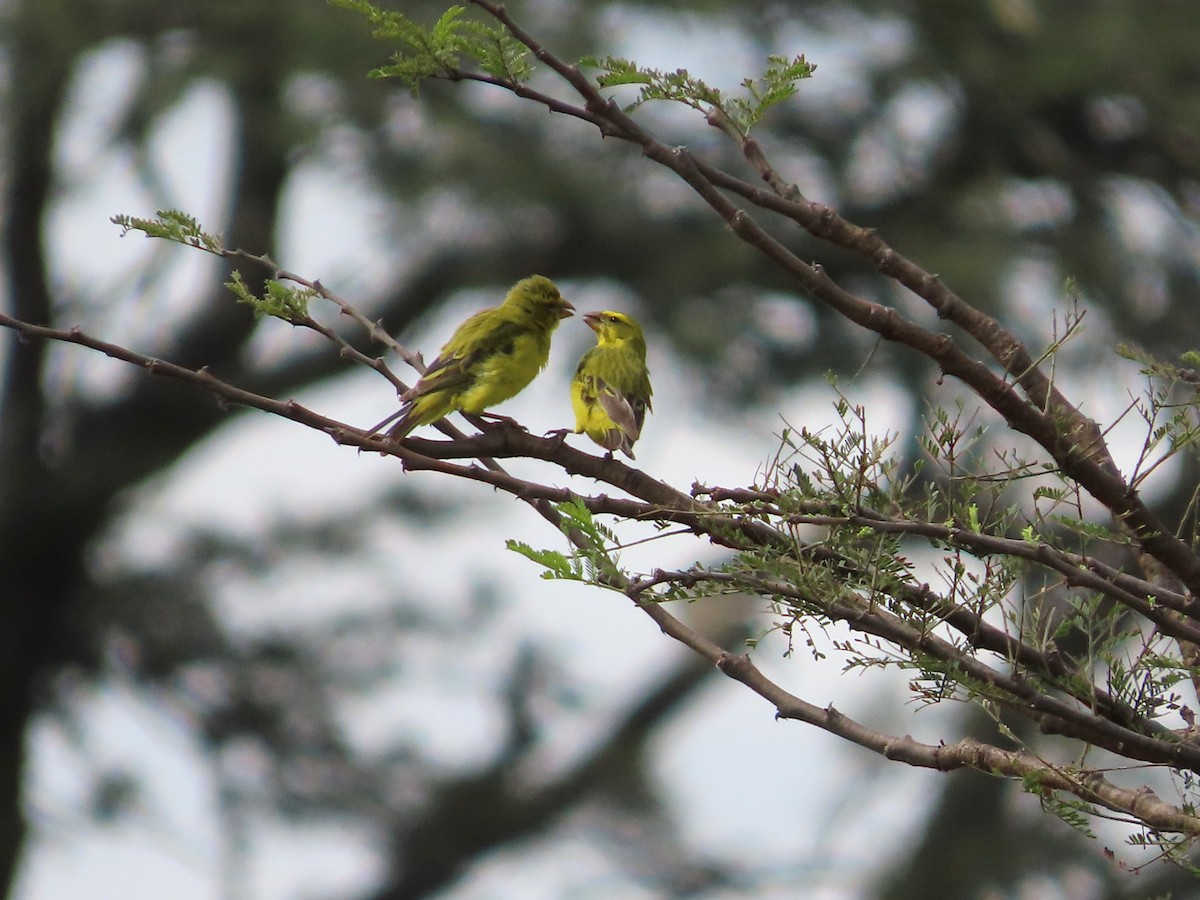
(491, 357)
(610, 392)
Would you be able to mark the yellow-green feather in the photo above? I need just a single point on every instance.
(610, 392)
(491, 357)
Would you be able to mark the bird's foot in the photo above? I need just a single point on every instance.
(558, 435)
(502, 420)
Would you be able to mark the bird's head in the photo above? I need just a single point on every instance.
(614, 328)
(538, 296)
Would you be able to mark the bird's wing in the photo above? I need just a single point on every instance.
(459, 363)
(621, 411)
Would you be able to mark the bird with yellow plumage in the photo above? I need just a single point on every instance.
(610, 392)
(491, 357)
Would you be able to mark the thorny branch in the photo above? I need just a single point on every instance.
(1072, 439)
(1027, 677)
(657, 501)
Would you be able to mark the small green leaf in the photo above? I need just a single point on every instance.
(440, 51)
(556, 564)
(171, 225)
(280, 301)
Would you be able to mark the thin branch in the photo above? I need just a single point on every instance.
(1153, 743)
(1140, 803)
(1142, 596)
(677, 506)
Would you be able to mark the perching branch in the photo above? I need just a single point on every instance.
(828, 538)
(653, 500)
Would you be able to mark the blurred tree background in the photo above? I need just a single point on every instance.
(1007, 145)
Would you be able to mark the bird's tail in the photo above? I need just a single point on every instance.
(421, 410)
(406, 423)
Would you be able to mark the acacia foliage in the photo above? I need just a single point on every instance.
(982, 568)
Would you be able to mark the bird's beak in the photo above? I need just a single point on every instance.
(566, 311)
(592, 320)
